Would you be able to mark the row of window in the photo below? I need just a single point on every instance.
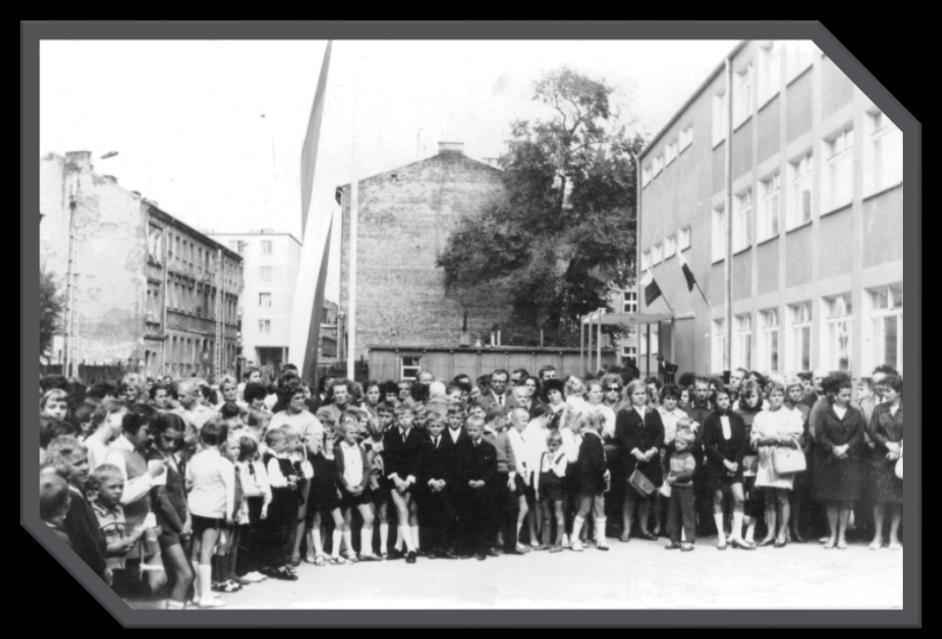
(265, 246)
(671, 152)
(195, 297)
(750, 92)
(790, 351)
(186, 350)
(882, 168)
(665, 250)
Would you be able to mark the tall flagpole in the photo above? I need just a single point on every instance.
(354, 204)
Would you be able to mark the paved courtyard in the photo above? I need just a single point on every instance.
(638, 575)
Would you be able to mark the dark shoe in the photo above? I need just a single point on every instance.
(410, 558)
(395, 554)
(766, 542)
(674, 545)
(465, 555)
(481, 556)
(447, 554)
(493, 553)
(744, 545)
(686, 546)
(779, 543)
(284, 574)
(647, 535)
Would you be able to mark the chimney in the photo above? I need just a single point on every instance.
(451, 147)
(79, 160)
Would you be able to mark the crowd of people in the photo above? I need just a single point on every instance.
(190, 490)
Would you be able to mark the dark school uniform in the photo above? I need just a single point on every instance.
(590, 469)
(718, 449)
(282, 512)
(477, 462)
(401, 451)
(437, 516)
(632, 431)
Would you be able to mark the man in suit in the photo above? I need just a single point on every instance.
(497, 395)
(476, 469)
(436, 488)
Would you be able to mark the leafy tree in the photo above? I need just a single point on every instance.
(51, 305)
(564, 234)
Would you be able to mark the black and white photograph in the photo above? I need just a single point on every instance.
(470, 324)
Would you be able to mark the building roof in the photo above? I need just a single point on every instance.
(166, 217)
(440, 154)
(257, 234)
(469, 349)
(690, 100)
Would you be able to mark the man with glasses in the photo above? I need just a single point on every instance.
(497, 394)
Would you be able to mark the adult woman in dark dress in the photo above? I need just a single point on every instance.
(725, 443)
(838, 433)
(639, 440)
(886, 432)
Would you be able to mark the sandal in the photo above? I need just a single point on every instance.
(310, 559)
(320, 560)
(229, 586)
(337, 561)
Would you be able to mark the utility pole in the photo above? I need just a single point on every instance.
(220, 316)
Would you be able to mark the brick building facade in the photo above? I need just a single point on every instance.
(405, 218)
(145, 286)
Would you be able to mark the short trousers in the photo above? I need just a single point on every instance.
(201, 524)
(347, 500)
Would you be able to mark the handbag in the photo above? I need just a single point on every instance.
(787, 461)
(641, 483)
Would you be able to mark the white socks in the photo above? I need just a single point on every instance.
(318, 542)
(335, 543)
(384, 538)
(405, 535)
(366, 541)
(600, 532)
(348, 542)
(737, 525)
(577, 523)
(720, 531)
(415, 537)
(207, 598)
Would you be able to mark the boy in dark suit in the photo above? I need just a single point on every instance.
(476, 469)
(401, 446)
(435, 489)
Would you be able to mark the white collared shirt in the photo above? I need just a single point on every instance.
(669, 418)
(213, 479)
(352, 463)
(454, 434)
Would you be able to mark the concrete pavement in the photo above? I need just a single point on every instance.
(640, 574)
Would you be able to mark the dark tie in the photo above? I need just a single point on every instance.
(500, 400)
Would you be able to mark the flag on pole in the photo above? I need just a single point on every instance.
(308, 161)
(688, 274)
(651, 290)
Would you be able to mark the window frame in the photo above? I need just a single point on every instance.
(797, 180)
(769, 222)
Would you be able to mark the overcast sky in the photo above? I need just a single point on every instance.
(212, 130)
